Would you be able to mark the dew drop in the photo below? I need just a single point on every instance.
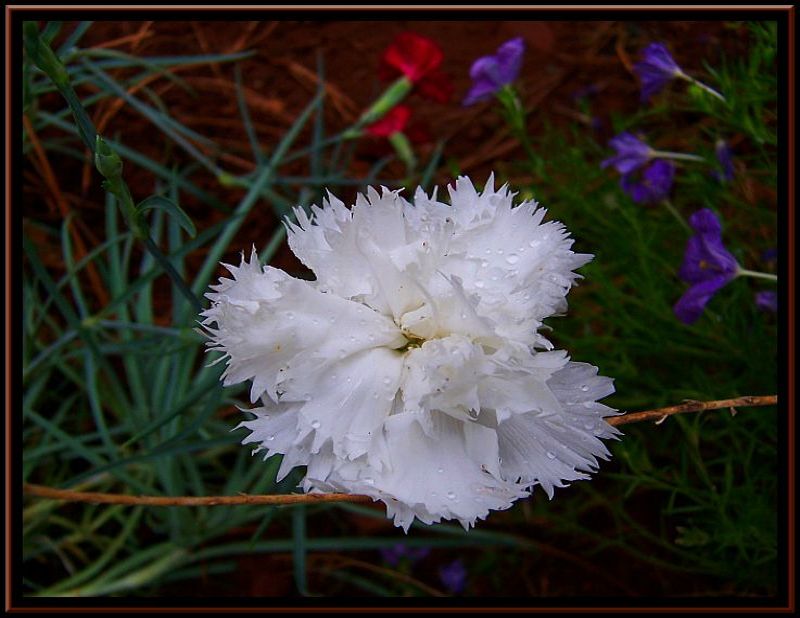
(533, 244)
(512, 259)
(315, 424)
(451, 495)
(484, 264)
(584, 388)
(387, 380)
(315, 321)
(348, 379)
(499, 252)
(440, 470)
(494, 277)
(479, 284)
(488, 252)
(290, 316)
(369, 480)
(588, 425)
(270, 438)
(371, 337)
(551, 455)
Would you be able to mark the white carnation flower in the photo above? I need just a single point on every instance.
(412, 369)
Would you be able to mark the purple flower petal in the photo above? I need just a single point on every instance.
(705, 255)
(707, 265)
(656, 69)
(393, 555)
(632, 153)
(654, 185)
(725, 158)
(490, 73)
(509, 59)
(690, 306)
(454, 576)
(767, 301)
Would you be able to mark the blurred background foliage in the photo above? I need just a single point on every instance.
(230, 128)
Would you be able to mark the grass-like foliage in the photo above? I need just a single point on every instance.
(118, 396)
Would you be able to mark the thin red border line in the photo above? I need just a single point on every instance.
(790, 326)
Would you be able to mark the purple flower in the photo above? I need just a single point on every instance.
(725, 158)
(767, 301)
(707, 265)
(653, 186)
(490, 73)
(656, 69)
(393, 555)
(454, 576)
(770, 255)
(632, 153)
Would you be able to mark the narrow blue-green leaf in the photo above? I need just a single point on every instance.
(433, 165)
(168, 125)
(74, 38)
(261, 182)
(258, 153)
(299, 549)
(145, 162)
(51, 30)
(69, 262)
(171, 208)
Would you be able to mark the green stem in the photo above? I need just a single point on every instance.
(700, 84)
(669, 206)
(742, 272)
(680, 156)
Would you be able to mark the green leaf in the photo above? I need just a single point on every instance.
(171, 208)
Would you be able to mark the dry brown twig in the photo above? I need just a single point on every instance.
(658, 415)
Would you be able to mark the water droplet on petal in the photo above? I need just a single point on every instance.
(369, 481)
(584, 388)
(488, 252)
(512, 259)
(479, 284)
(451, 495)
(387, 380)
(589, 425)
(499, 252)
(315, 424)
(270, 438)
(551, 455)
(534, 243)
(440, 470)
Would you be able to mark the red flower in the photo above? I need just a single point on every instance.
(412, 55)
(418, 58)
(395, 120)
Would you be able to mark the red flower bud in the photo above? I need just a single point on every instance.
(395, 120)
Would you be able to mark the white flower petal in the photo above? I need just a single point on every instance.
(411, 369)
(267, 322)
